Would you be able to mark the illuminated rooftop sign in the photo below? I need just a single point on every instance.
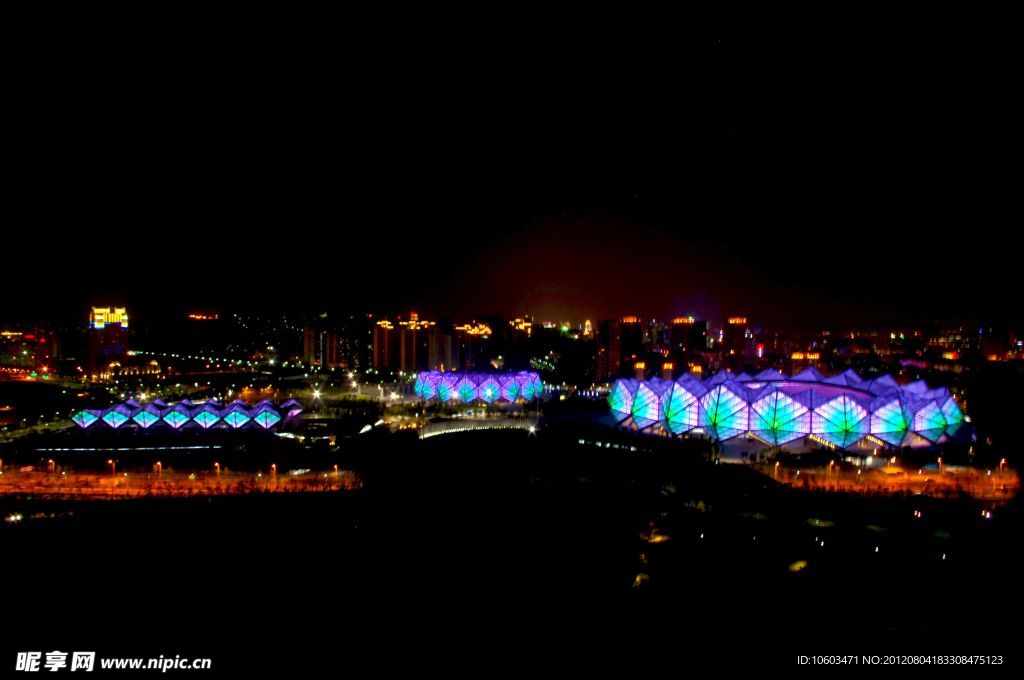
(101, 317)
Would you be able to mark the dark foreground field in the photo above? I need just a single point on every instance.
(499, 550)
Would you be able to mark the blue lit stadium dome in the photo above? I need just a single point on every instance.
(843, 411)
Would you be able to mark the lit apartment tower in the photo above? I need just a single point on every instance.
(698, 338)
(471, 344)
(108, 336)
(736, 337)
(384, 336)
(404, 345)
(329, 350)
(667, 368)
(355, 341)
(309, 343)
(414, 343)
(640, 370)
(439, 351)
(800, 360)
(320, 347)
(680, 336)
(632, 334)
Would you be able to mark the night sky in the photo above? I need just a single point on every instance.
(839, 180)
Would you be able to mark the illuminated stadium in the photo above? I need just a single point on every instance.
(488, 388)
(184, 414)
(807, 409)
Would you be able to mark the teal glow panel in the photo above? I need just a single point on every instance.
(646, 409)
(145, 418)
(114, 418)
(777, 419)
(526, 386)
(620, 399)
(84, 418)
(538, 386)
(175, 418)
(509, 387)
(680, 409)
(236, 419)
(929, 422)
(723, 413)
(205, 419)
(889, 422)
(428, 387)
(841, 421)
(954, 416)
(267, 419)
(466, 389)
(446, 387)
(489, 389)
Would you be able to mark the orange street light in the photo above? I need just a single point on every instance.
(112, 464)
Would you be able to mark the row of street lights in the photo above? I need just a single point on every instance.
(158, 467)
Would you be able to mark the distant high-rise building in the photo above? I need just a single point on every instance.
(667, 369)
(609, 350)
(384, 336)
(309, 338)
(632, 335)
(471, 345)
(439, 351)
(405, 345)
(736, 337)
(345, 341)
(680, 334)
(108, 337)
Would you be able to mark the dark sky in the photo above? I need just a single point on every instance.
(846, 178)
